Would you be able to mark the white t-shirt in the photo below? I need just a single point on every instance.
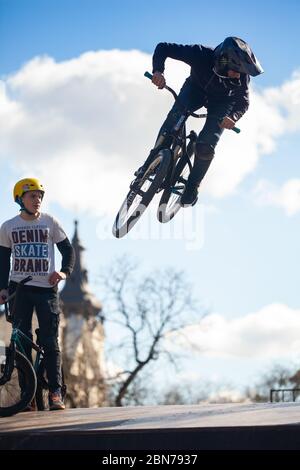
(32, 246)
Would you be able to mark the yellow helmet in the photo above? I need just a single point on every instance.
(27, 184)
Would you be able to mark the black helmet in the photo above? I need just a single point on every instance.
(235, 54)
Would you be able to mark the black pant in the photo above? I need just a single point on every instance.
(191, 98)
(46, 305)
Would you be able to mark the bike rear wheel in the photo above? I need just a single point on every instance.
(12, 398)
(169, 203)
(141, 193)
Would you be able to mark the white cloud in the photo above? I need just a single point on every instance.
(272, 332)
(287, 99)
(286, 197)
(238, 155)
(85, 124)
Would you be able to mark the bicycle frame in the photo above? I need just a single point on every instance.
(16, 337)
(16, 344)
(179, 138)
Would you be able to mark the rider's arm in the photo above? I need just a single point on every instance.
(5, 254)
(187, 54)
(64, 246)
(68, 256)
(241, 100)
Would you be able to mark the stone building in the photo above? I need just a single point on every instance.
(82, 336)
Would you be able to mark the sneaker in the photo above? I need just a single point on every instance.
(56, 401)
(190, 196)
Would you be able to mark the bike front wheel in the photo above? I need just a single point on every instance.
(141, 193)
(17, 392)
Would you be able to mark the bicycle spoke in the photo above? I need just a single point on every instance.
(10, 392)
(19, 389)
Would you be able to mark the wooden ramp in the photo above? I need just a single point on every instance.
(198, 427)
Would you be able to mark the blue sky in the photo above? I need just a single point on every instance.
(250, 256)
(66, 28)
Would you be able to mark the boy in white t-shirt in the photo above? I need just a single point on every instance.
(27, 248)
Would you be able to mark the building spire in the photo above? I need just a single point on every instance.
(76, 294)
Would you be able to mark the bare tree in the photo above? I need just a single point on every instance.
(144, 312)
(277, 377)
(201, 391)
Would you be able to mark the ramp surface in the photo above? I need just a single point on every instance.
(182, 427)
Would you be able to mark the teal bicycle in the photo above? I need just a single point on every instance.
(21, 381)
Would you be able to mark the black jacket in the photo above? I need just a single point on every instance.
(201, 60)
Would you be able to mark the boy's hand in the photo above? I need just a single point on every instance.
(3, 296)
(159, 80)
(227, 123)
(56, 277)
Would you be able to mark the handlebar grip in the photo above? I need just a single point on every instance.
(148, 75)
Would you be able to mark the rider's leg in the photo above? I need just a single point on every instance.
(163, 139)
(188, 98)
(204, 152)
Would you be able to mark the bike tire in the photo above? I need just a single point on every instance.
(166, 209)
(155, 174)
(11, 400)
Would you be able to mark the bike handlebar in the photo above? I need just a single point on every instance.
(150, 76)
(21, 283)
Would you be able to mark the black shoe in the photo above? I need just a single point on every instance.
(139, 173)
(190, 196)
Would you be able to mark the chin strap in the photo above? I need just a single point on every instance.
(234, 82)
(27, 211)
(23, 208)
